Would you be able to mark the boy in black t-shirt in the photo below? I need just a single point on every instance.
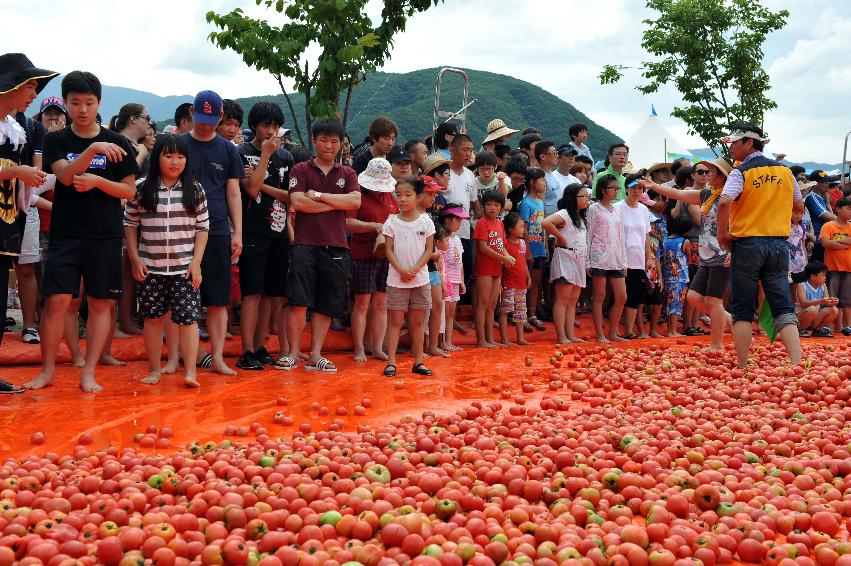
(94, 171)
(263, 263)
(216, 164)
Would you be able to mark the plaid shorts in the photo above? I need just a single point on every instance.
(369, 275)
(513, 302)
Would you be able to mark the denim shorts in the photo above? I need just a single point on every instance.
(762, 260)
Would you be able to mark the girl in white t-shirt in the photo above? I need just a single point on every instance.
(409, 238)
(568, 225)
(607, 256)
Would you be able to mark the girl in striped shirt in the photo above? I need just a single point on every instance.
(166, 227)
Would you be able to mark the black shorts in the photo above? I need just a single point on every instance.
(610, 273)
(98, 262)
(263, 265)
(539, 263)
(711, 281)
(320, 279)
(799, 277)
(639, 291)
(160, 293)
(468, 259)
(369, 275)
(215, 272)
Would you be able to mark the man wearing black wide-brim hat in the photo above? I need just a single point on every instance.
(20, 84)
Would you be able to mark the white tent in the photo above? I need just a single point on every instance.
(652, 143)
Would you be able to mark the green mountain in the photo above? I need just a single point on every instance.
(409, 100)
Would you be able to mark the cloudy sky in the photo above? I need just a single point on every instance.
(561, 45)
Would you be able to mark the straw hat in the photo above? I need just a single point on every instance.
(378, 176)
(498, 129)
(432, 162)
(659, 167)
(721, 164)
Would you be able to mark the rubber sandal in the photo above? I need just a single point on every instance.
(537, 324)
(206, 361)
(285, 363)
(631, 336)
(322, 365)
(7, 388)
(30, 336)
(390, 370)
(420, 369)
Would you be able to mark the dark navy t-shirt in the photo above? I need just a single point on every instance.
(212, 163)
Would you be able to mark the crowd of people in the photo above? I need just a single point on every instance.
(211, 223)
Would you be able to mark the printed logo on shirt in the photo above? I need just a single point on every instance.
(293, 182)
(218, 167)
(341, 183)
(97, 162)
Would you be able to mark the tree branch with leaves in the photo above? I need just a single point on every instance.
(325, 47)
(711, 51)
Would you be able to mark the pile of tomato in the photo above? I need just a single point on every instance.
(591, 457)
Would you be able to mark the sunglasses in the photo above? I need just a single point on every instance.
(146, 117)
(701, 171)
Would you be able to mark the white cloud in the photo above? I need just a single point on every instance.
(561, 45)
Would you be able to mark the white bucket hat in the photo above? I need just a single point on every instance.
(378, 176)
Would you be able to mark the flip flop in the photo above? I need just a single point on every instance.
(322, 365)
(206, 361)
(285, 363)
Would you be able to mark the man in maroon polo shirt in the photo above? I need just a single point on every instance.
(321, 191)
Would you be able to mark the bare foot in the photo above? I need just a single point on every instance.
(228, 336)
(576, 340)
(506, 343)
(78, 361)
(643, 335)
(451, 348)
(302, 357)
(674, 334)
(360, 356)
(439, 353)
(712, 348)
(220, 367)
(40, 381)
(603, 340)
(523, 342)
(170, 367)
(379, 355)
(120, 334)
(496, 345)
(563, 341)
(617, 338)
(654, 334)
(576, 324)
(153, 378)
(129, 329)
(460, 327)
(106, 359)
(190, 381)
(88, 383)
(485, 345)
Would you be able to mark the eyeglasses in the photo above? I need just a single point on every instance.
(701, 171)
(146, 117)
(620, 155)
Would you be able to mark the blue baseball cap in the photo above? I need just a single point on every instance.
(207, 108)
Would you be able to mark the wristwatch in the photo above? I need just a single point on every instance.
(317, 195)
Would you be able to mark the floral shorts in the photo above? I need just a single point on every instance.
(675, 292)
(160, 293)
(513, 302)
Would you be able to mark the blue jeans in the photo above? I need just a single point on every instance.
(761, 260)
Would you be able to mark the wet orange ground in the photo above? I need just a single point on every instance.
(126, 406)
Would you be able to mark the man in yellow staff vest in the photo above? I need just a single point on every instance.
(754, 220)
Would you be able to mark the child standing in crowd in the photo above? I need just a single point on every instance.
(675, 270)
(231, 124)
(816, 308)
(166, 226)
(532, 213)
(607, 256)
(217, 165)
(515, 280)
(490, 257)
(487, 180)
(835, 238)
(451, 217)
(409, 238)
(797, 251)
(437, 278)
(264, 261)
(94, 172)
(569, 227)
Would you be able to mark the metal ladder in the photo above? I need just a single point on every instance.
(443, 116)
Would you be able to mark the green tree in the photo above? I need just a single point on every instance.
(711, 50)
(325, 47)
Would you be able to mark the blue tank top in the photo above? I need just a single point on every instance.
(813, 294)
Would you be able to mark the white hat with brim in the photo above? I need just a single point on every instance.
(497, 129)
(736, 135)
(719, 163)
(378, 176)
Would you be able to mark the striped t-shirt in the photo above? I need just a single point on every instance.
(167, 234)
